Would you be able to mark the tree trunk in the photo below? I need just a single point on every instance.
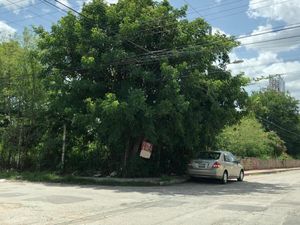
(63, 148)
(132, 147)
(19, 146)
(136, 147)
(126, 154)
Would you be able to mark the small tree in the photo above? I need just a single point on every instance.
(248, 138)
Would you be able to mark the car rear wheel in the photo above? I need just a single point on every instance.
(224, 178)
(241, 177)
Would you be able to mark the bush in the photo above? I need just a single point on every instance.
(248, 139)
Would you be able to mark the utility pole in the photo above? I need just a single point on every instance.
(63, 148)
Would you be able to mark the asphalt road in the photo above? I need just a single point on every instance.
(262, 199)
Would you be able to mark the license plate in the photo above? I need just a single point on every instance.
(195, 165)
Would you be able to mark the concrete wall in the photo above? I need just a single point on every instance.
(258, 164)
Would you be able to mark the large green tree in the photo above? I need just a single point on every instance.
(139, 70)
(278, 112)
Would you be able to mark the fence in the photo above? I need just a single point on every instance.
(258, 164)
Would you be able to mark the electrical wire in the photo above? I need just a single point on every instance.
(2, 5)
(218, 5)
(75, 11)
(53, 5)
(142, 30)
(278, 126)
(16, 22)
(175, 22)
(36, 14)
(19, 8)
(163, 53)
(157, 55)
(246, 36)
(243, 6)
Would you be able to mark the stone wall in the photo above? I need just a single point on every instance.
(259, 164)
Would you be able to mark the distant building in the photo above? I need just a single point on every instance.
(276, 83)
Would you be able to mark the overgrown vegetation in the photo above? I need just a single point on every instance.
(248, 138)
(83, 96)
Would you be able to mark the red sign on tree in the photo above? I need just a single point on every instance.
(146, 150)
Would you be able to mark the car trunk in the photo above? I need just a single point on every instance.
(202, 163)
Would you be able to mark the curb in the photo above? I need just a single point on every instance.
(136, 181)
(258, 172)
(172, 182)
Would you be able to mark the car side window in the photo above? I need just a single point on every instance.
(227, 158)
(232, 157)
(223, 158)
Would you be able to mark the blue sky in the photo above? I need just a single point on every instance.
(232, 17)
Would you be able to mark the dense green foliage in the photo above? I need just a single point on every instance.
(249, 139)
(21, 99)
(113, 76)
(278, 112)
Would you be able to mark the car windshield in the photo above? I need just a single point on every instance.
(208, 155)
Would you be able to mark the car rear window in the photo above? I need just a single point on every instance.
(208, 155)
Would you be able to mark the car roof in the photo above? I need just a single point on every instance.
(219, 151)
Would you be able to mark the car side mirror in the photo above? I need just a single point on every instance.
(237, 161)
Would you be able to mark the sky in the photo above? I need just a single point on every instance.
(268, 30)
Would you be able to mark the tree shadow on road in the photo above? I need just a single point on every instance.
(201, 187)
(210, 188)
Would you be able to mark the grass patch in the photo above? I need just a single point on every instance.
(52, 177)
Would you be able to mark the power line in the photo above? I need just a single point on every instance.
(252, 35)
(82, 15)
(271, 40)
(218, 5)
(163, 52)
(19, 8)
(6, 5)
(243, 6)
(242, 11)
(29, 18)
(53, 5)
(154, 55)
(156, 20)
(280, 127)
(70, 8)
(194, 9)
(228, 3)
(175, 22)
(40, 16)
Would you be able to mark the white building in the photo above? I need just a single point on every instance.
(276, 83)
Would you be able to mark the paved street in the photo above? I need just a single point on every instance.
(262, 199)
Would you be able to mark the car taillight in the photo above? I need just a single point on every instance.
(216, 165)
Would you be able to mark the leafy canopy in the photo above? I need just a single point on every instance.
(139, 70)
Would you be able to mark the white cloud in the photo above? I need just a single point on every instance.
(81, 2)
(112, 1)
(15, 7)
(253, 67)
(284, 10)
(63, 2)
(216, 30)
(28, 16)
(6, 32)
(268, 63)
